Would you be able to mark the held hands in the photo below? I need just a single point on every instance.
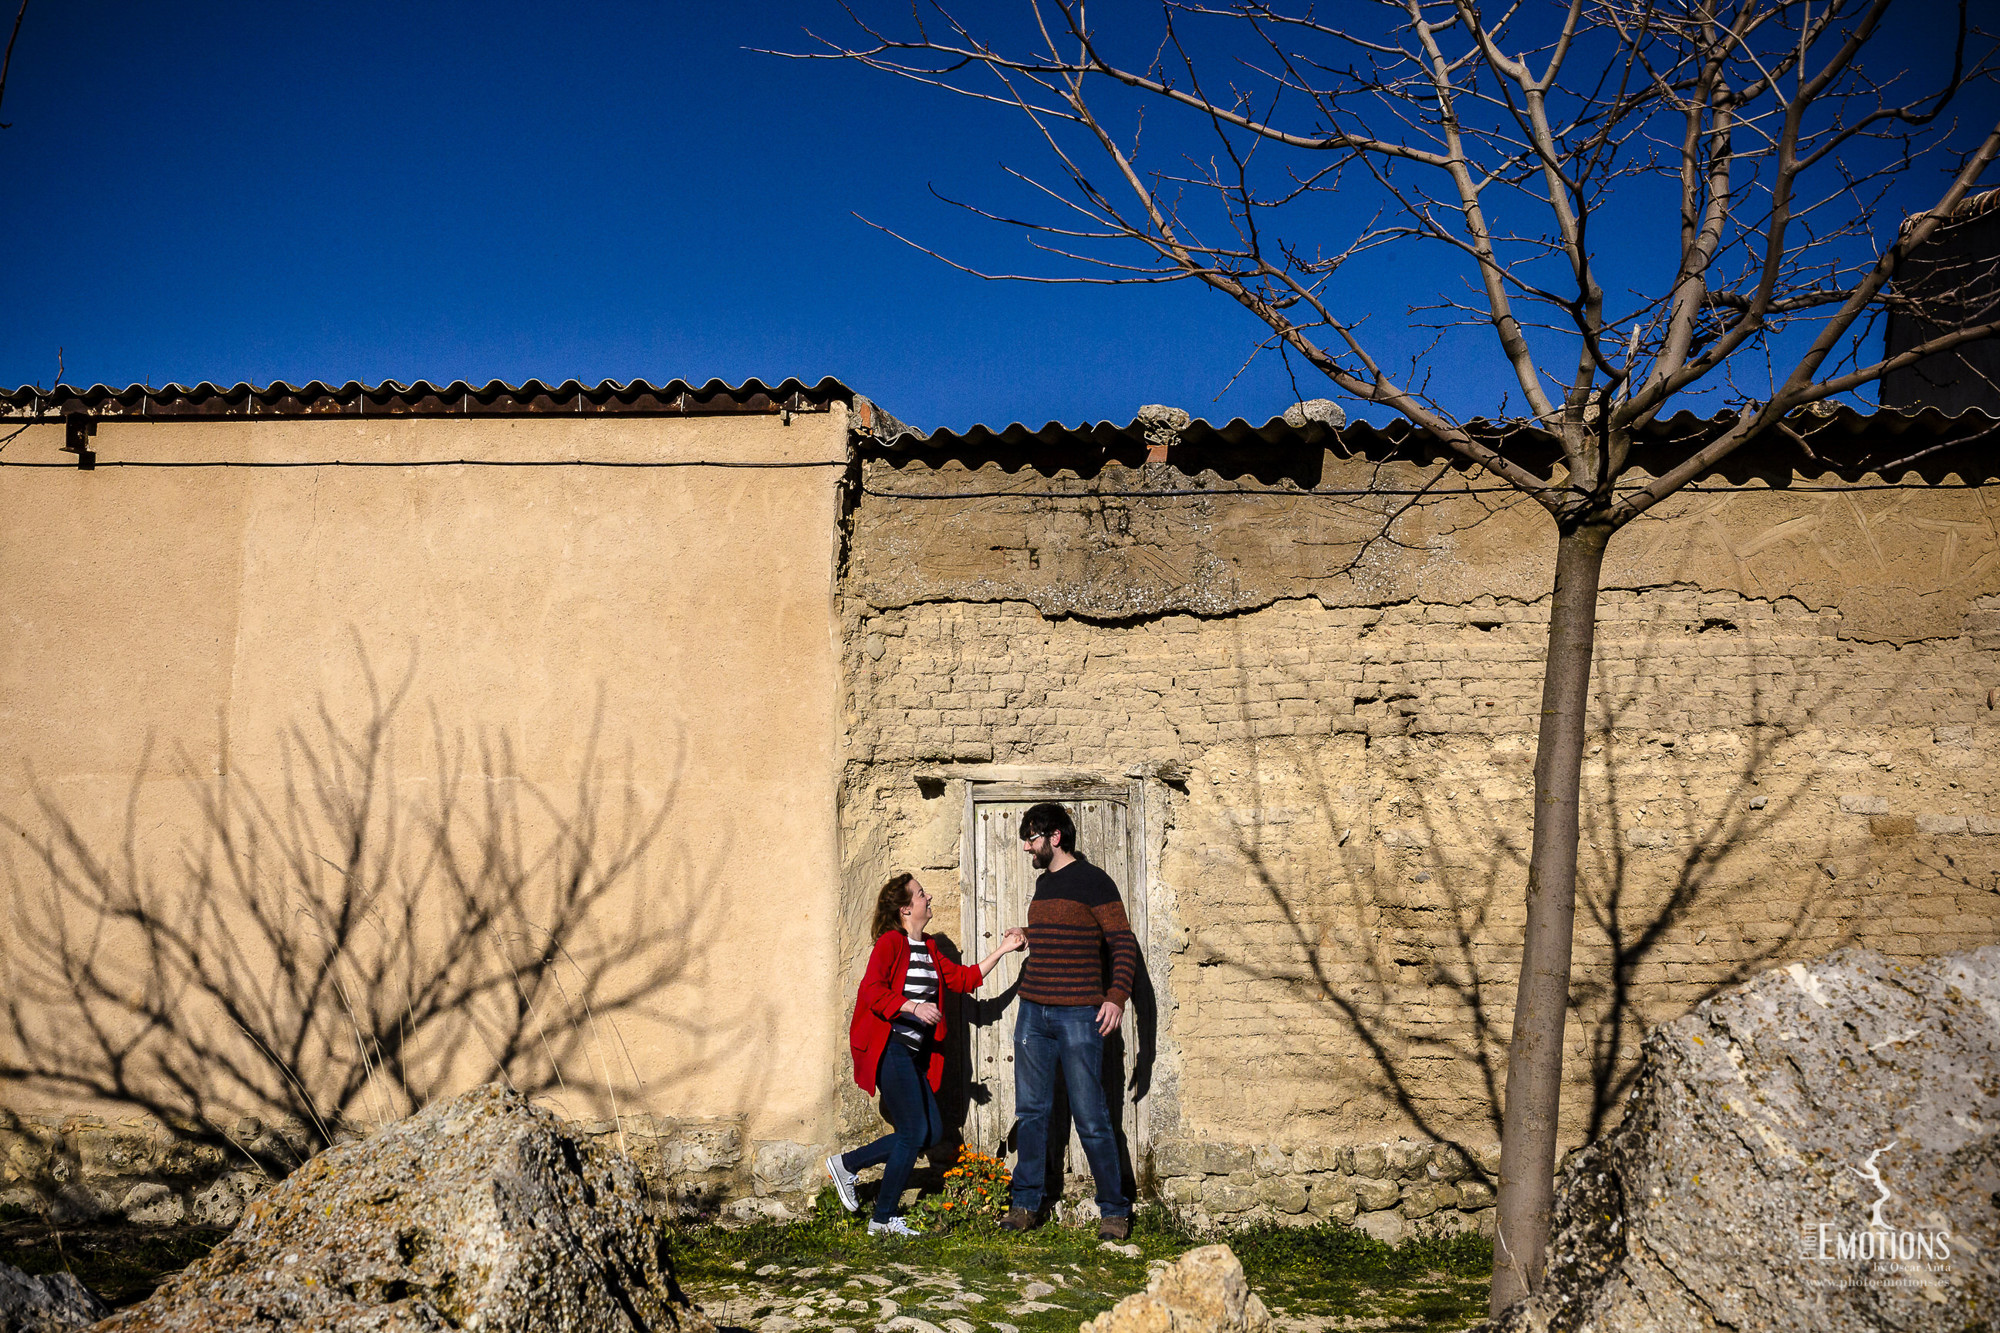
(1010, 940)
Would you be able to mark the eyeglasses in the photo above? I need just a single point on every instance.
(1039, 837)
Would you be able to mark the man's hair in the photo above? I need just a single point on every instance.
(1048, 817)
(890, 902)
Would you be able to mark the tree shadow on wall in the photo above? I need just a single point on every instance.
(338, 947)
(1411, 957)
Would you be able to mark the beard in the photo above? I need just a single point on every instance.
(1042, 856)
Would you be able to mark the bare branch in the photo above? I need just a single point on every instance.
(7, 63)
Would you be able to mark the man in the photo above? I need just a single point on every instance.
(1066, 1012)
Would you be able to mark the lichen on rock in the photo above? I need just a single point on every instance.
(1204, 1291)
(1818, 1148)
(482, 1211)
(52, 1303)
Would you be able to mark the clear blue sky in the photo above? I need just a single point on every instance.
(593, 190)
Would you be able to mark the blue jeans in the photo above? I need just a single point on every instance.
(908, 1105)
(1045, 1034)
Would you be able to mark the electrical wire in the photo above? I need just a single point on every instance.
(440, 462)
(1160, 493)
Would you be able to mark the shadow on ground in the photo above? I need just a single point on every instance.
(120, 1264)
(828, 1274)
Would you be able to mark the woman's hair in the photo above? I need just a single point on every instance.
(890, 902)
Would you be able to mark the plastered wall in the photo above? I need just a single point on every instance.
(166, 626)
(1796, 749)
(1334, 718)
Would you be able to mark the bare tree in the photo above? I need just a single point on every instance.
(337, 948)
(1749, 139)
(7, 61)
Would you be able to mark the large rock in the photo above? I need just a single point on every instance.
(1816, 1149)
(1204, 1291)
(52, 1303)
(481, 1212)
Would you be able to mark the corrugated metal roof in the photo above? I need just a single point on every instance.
(1842, 440)
(423, 399)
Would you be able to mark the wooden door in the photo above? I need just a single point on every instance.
(1002, 883)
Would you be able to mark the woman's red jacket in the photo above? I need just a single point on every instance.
(881, 998)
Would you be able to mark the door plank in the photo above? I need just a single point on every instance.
(1005, 879)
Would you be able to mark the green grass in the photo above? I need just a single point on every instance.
(819, 1257)
(832, 1235)
(1426, 1283)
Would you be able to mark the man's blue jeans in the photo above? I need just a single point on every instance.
(1046, 1035)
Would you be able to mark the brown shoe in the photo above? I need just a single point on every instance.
(1114, 1228)
(1018, 1219)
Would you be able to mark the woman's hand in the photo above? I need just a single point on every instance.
(927, 1014)
(1010, 940)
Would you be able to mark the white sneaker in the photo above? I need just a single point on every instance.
(895, 1226)
(843, 1183)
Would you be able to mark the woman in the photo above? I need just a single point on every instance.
(896, 1037)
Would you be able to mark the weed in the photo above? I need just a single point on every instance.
(1339, 1251)
(1429, 1280)
(975, 1194)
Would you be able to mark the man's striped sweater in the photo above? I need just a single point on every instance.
(1074, 916)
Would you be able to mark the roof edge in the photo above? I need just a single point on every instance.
(1840, 440)
(637, 397)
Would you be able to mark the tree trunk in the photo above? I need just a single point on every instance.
(1541, 1004)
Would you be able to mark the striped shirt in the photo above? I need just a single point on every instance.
(1075, 918)
(920, 983)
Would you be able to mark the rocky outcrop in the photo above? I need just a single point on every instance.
(52, 1303)
(1204, 1291)
(1816, 1149)
(481, 1210)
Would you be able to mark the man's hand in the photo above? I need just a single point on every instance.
(1109, 1015)
(1016, 938)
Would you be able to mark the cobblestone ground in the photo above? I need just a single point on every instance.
(903, 1298)
(831, 1277)
(1007, 1292)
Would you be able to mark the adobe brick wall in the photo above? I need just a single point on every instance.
(1346, 790)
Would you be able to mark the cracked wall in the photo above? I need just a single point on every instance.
(1897, 563)
(1795, 713)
